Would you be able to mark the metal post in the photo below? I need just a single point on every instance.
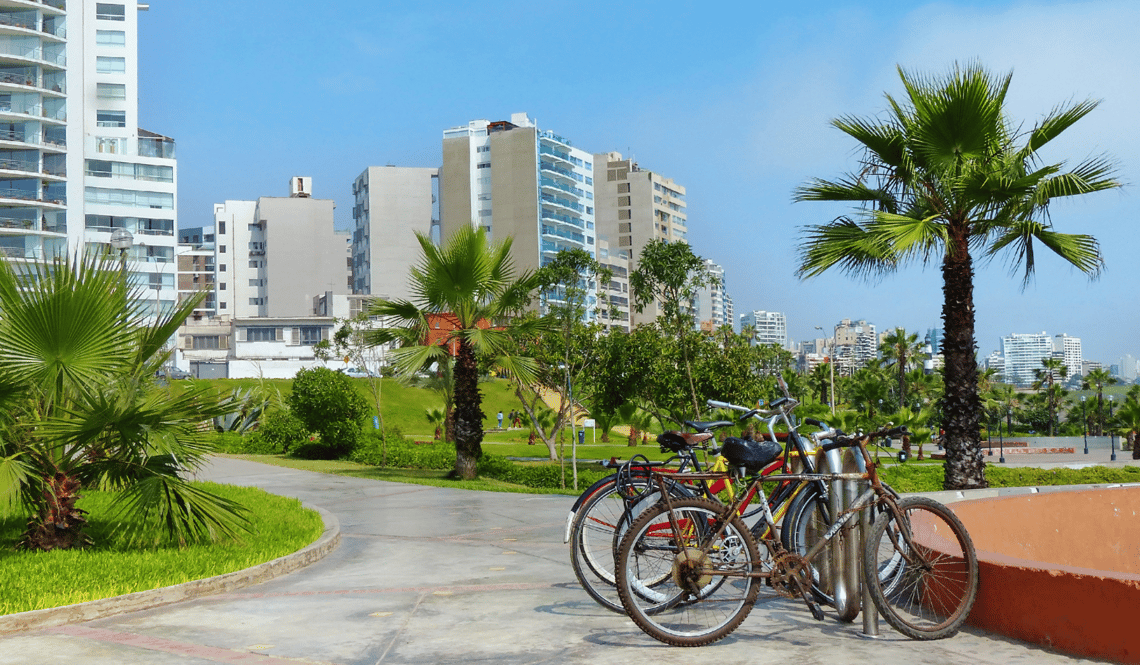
(835, 497)
(1084, 424)
(1001, 447)
(870, 612)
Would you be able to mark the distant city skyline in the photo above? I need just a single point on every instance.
(737, 112)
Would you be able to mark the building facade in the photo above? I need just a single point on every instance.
(74, 164)
(1068, 349)
(1023, 355)
(768, 327)
(390, 205)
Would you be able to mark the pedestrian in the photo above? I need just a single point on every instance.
(500, 420)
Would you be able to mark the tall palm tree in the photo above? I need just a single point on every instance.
(79, 408)
(1097, 379)
(473, 284)
(945, 176)
(1049, 377)
(901, 349)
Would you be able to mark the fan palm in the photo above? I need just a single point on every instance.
(1097, 379)
(80, 408)
(472, 283)
(946, 176)
(1052, 371)
(902, 349)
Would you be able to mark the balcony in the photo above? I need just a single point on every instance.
(156, 146)
(24, 166)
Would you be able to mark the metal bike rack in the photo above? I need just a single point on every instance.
(845, 551)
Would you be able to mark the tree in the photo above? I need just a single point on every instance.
(471, 284)
(901, 349)
(669, 273)
(1097, 379)
(79, 408)
(348, 342)
(327, 403)
(946, 175)
(1052, 371)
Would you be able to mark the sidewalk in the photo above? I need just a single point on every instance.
(431, 575)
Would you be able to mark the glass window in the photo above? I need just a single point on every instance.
(110, 91)
(206, 342)
(111, 118)
(260, 333)
(110, 12)
(310, 335)
(110, 65)
(110, 37)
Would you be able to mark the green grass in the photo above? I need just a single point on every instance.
(38, 580)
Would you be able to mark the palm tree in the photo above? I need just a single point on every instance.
(1128, 418)
(79, 408)
(901, 348)
(1051, 370)
(947, 175)
(1099, 378)
(472, 284)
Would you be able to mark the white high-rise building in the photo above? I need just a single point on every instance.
(74, 164)
(769, 327)
(391, 204)
(712, 306)
(1069, 350)
(1023, 355)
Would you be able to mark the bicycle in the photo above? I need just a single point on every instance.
(919, 563)
(598, 519)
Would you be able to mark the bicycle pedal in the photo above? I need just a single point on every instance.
(816, 611)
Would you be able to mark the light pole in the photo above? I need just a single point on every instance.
(1001, 446)
(1084, 424)
(122, 240)
(1111, 434)
(831, 366)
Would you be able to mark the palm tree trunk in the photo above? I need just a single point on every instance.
(468, 413)
(58, 523)
(961, 406)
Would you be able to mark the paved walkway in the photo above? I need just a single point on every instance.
(430, 575)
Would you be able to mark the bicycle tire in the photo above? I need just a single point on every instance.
(804, 524)
(702, 604)
(591, 543)
(932, 595)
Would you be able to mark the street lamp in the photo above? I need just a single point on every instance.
(831, 366)
(1084, 424)
(1001, 447)
(1111, 434)
(122, 240)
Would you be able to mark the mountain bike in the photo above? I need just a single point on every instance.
(919, 564)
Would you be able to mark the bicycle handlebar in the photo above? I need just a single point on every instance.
(843, 441)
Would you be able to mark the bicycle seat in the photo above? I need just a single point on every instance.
(752, 455)
(678, 441)
(702, 426)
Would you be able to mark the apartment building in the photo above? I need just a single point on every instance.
(390, 205)
(636, 206)
(1068, 349)
(75, 167)
(712, 305)
(856, 344)
(767, 327)
(1023, 355)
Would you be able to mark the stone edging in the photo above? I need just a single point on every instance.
(140, 600)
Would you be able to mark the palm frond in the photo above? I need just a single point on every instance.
(1080, 250)
(845, 244)
(184, 512)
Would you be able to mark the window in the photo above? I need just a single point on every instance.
(111, 118)
(623, 187)
(309, 335)
(256, 282)
(206, 342)
(110, 91)
(127, 197)
(221, 267)
(484, 165)
(222, 286)
(260, 333)
(221, 305)
(221, 228)
(110, 65)
(110, 37)
(109, 12)
(252, 264)
(221, 248)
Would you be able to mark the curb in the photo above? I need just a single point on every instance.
(141, 600)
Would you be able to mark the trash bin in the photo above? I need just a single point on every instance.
(582, 436)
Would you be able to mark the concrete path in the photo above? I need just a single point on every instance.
(429, 575)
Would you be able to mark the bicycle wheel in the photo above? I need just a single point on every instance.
(592, 539)
(804, 524)
(922, 573)
(702, 594)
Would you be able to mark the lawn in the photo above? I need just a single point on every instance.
(111, 567)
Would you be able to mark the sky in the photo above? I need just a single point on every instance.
(731, 100)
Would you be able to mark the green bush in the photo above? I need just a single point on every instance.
(928, 477)
(547, 475)
(326, 402)
(280, 432)
(404, 453)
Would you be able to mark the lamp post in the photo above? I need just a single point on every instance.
(990, 437)
(1111, 434)
(1084, 424)
(122, 240)
(1001, 445)
(831, 366)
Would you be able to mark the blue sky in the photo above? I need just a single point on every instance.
(730, 100)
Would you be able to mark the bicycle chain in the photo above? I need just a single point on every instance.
(790, 576)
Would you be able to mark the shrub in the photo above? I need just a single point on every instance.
(403, 453)
(539, 476)
(281, 431)
(328, 404)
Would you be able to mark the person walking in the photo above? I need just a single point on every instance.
(500, 420)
